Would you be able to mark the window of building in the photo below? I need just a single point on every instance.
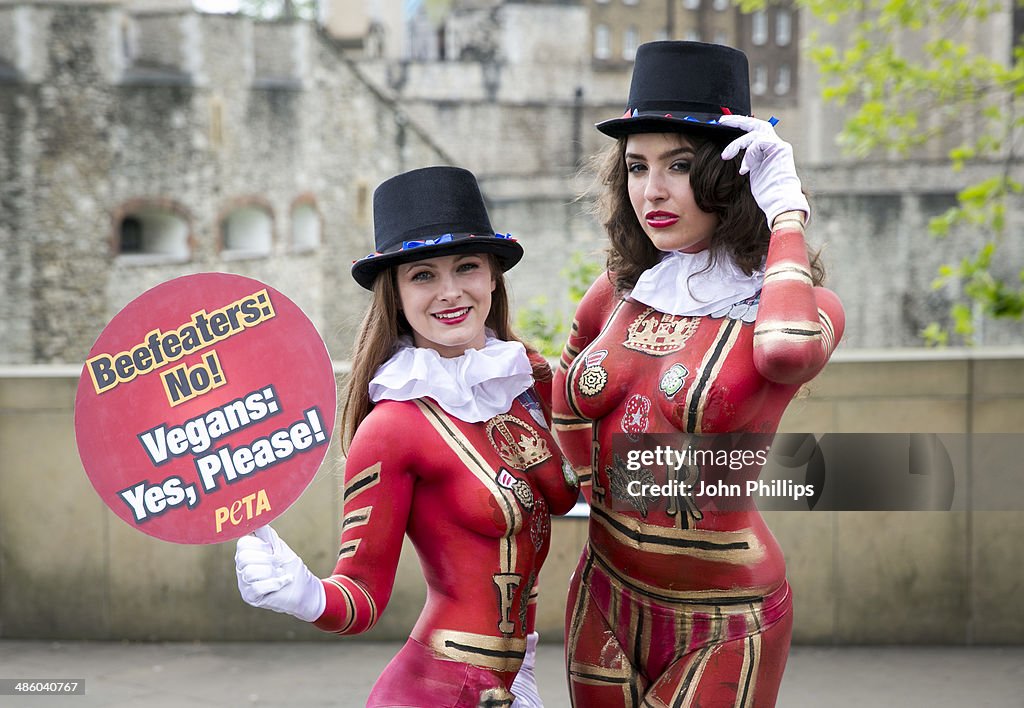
(759, 28)
(630, 41)
(721, 37)
(602, 2)
(630, 2)
(1018, 29)
(691, 4)
(153, 233)
(783, 81)
(602, 42)
(247, 232)
(306, 226)
(720, 5)
(691, 35)
(759, 82)
(783, 27)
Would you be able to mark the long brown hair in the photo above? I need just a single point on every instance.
(718, 187)
(384, 323)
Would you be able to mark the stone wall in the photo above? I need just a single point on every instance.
(101, 109)
(223, 113)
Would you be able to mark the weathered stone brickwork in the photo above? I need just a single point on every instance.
(224, 112)
(103, 111)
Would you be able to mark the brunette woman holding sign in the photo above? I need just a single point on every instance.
(447, 430)
(709, 319)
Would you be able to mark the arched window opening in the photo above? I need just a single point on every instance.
(247, 232)
(152, 232)
(305, 227)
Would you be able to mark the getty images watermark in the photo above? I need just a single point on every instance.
(819, 472)
(674, 459)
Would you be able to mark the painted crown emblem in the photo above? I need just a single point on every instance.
(658, 333)
(519, 446)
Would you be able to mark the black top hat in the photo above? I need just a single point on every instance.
(679, 86)
(430, 212)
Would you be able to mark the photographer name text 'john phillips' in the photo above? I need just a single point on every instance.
(751, 488)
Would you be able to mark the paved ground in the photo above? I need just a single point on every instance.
(340, 674)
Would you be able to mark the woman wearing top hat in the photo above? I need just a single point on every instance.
(446, 424)
(709, 319)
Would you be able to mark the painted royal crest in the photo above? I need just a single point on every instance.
(672, 380)
(519, 446)
(744, 310)
(657, 333)
(519, 487)
(569, 474)
(620, 478)
(636, 418)
(532, 404)
(593, 378)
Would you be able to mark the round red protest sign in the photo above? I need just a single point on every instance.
(205, 408)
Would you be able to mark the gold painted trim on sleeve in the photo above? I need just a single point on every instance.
(349, 548)
(368, 478)
(356, 517)
(787, 224)
(788, 271)
(350, 602)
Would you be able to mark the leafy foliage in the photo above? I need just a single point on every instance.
(280, 9)
(907, 89)
(546, 328)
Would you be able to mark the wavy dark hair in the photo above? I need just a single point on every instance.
(718, 187)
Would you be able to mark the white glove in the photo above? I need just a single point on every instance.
(270, 575)
(769, 161)
(524, 687)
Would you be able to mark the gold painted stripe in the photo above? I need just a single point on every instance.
(582, 597)
(785, 224)
(350, 604)
(778, 338)
(374, 613)
(748, 672)
(591, 675)
(349, 548)
(797, 274)
(367, 479)
(496, 653)
(356, 517)
(477, 464)
(734, 547)
(695, 673)
(828, 331)
(569, 427)
(803, 327)
(707, 372)
(709, 598)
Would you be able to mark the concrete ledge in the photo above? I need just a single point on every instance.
(70, 569)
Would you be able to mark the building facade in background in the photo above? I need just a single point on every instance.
(144, 140)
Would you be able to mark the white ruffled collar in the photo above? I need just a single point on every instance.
(680, 285)
(473, 387)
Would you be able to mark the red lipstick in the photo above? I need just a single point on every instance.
(660, 219)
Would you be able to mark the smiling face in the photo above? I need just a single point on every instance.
(658, 167)
(446, 301)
